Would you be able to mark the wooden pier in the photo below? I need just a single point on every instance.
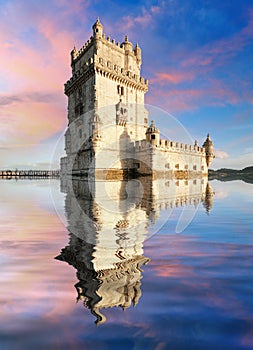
(29, 174)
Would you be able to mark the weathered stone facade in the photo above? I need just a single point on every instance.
(108, 134)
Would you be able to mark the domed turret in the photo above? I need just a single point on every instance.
(97, 29)
(73, 54)
(127, 45)
(153, 134)
(137, 52)
(208, 145)
(208, 199)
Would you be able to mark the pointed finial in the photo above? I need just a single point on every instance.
(126, 38)
(97, 23)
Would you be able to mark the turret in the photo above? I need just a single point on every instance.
(208, 145)
(137, 52)
(97, 29)
(73, 55)
(208, 199)
(127, 45)
(96, 135)
(153, 134)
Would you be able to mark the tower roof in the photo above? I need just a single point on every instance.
(152, 128)
(97, 23)
(208, 141)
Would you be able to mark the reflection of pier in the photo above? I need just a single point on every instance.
(108, 222)
(22, 174)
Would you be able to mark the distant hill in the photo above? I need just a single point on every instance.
(224, 174)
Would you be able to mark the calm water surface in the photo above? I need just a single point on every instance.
(191, 290)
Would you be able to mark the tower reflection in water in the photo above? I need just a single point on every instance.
(108, 222)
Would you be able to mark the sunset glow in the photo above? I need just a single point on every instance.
(197, 57)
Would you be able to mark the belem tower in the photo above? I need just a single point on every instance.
(109, 135)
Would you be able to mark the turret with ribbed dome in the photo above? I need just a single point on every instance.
(127, 45)
(153, 134)
(208, 145)
(137, 52)
(97, 29)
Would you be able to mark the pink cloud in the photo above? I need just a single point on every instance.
(171, 77)
(219, 154)
(176, 99)
(146, 17)
(31, 121)
(214, 93)
(33, 106)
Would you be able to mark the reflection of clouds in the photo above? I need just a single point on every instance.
(30, 236)
(194, 287)
(203, 275)
(229, 189)
(221, 194)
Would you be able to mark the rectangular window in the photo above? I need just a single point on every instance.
(120, 90)
(153, 137)
(79, 109)
(177, 166)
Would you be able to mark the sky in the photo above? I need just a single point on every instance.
(197, 56)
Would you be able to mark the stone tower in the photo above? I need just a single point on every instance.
(106, 89)
(108, 135)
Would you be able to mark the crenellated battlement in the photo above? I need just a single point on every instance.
(109, 70)
(170, 146)
(115, 73)
(119, 74)
(75, 55)
(125, 47)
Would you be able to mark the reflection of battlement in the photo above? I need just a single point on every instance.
(108, 222)
(163, 194)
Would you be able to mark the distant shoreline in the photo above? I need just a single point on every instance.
(225, 174)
